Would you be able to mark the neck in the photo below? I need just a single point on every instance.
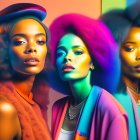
(24, 84)
(81, 88)
(132, 83)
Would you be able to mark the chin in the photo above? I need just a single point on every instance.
(30, 72)
(134, 76)
(70, 78)
(137, 76)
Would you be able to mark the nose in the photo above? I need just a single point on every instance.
(138, 58)
(138, 55)
(67, 58)
(30, 49)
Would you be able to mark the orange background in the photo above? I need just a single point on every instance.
(55, 8)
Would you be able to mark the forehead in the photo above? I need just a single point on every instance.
(70, 40)
(27, 26)
(134, 32)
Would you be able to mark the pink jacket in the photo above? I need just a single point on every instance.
(107, 120)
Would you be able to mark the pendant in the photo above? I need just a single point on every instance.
(72, 115)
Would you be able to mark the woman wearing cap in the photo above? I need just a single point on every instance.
(23, 49)
(125, 26)
(83, 53)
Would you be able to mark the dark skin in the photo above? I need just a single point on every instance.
(28, 39)
(9, 122)
(130, 57)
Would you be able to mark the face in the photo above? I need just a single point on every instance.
(28, 47)
(72, 58)
(130, 53)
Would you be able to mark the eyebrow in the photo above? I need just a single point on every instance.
(60, 48)
(76, 46)
(63, 48)
(23, 35)
(40, 34)
(129, 42)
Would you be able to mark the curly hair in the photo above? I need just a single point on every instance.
(5, 67)
(100, 44)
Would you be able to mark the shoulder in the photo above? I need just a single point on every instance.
(60, 102)
(59, 105)
(125, 100)
(6, 108)
(111, 115)
(6, 87)
(121, 96)
(57, 111)
(9, 121)
(109, 104)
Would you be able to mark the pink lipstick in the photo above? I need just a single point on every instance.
(68, 68)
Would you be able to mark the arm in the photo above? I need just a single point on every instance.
(118, 129)
(9, 122)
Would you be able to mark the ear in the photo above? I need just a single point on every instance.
(91, 66)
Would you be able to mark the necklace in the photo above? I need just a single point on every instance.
(74, 111)
(136, 95)
(136, 91)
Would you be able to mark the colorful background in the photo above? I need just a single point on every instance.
(92, 8)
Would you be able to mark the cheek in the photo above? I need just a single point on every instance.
(127, 61)
(128, 58)
(42, 53)
(15, 55)
(15, 60)
(84, 63)
(57, 64)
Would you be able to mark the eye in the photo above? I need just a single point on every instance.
(41, 42)
(60, 53)
(18, 43)
(129, 48)
(78, 52)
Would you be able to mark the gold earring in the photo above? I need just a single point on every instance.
(92, 67)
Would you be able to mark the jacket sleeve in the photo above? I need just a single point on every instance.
(118, 129)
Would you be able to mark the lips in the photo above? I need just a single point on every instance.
(137, 68)
(68, 68)
(31, 61)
